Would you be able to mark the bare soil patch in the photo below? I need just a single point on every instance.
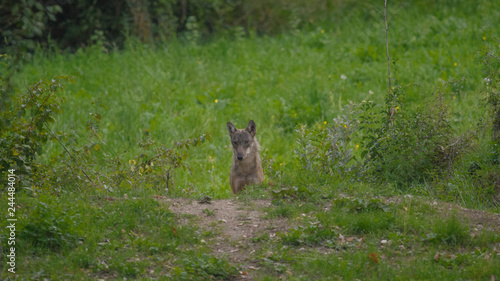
(235, 224)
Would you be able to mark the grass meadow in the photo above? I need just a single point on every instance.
(182, 89)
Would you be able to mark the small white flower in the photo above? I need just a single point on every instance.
(487, 80)
(343, 77)
(370, 92)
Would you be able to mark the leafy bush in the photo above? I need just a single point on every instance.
(312, 234)
(24, 21)
(82, 166)
(491, 72)
(155, 165)
(330, 149)
(25, 125)
(413, 143)
(398, 142)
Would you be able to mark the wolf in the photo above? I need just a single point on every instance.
(246, 168)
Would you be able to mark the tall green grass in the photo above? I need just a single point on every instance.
(181, 90)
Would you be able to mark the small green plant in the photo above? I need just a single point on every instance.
(449, 232)
(310, 147)
(157, 163)
(208, 212)
(341, 151)
(491, 72)
(330, 149)
(373, 222)
(204, 267)
(49, 226)
(281, 209)
(125, 268)
(313, 234)
(287, 191)
(272, 170)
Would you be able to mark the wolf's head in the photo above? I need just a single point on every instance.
(243, 140)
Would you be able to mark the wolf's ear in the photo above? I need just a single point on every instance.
(231, 128)
(251, 128)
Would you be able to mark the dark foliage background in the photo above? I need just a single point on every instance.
(73, 23)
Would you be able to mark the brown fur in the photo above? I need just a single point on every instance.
(246, 168)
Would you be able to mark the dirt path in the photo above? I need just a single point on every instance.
(235, 224)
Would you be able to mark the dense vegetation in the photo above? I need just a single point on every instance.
(99, 122)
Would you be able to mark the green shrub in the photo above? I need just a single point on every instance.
(155, 166)
(24, 21)
(330, 149)
(491, 87)
(399, 142)
(24, 125)
(413, 143)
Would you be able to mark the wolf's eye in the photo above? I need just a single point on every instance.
(235, 143)
(246, 142)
